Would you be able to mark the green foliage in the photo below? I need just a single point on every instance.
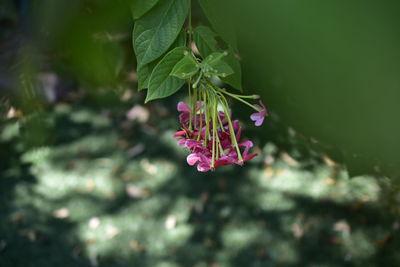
(234, 80)
(215, 12)
(145, 71)
(155, 32)
(206, 41)
(213, 65)
(156, 28)
(186, 68)
(161, 83)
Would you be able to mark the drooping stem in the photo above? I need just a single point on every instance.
(214, 122)
(220, 122)
(231, 129)
(206, 115)
(190, 101)
(235, 96)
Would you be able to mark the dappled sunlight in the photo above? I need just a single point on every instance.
(149, 207)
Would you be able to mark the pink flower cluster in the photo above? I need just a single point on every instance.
(212, 150)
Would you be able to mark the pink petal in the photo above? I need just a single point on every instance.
(183, 118)
(239, 134)
(249, 157)
(183, 107)
(192, 159)
(246, 144)
(255, 116)
(201, 167)
(235, 125)
(257, 106)
(190, 143)
(199, 104)
(181, 142)
(179, 133)
(259, 122)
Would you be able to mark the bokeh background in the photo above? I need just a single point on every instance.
(90, 176)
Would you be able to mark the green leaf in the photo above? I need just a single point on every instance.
(206, 43)
(214, 58)
(205, 40)
(186, 67)
(216, 13)
(145, 71)
(234, 80)
(222, 69)
(181, 40)
(213, 65)
(161, 83)
(141, 7)
(156, 31)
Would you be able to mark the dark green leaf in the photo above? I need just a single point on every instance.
(213, 65)
(141, 7)
(205, 40)
(145, 71)
(222, 69)
(161, 83)
(206, 43)
(216, 13)
(214, 58)
(181, 40)
(234, 80)
(156, 31)
(186, 67)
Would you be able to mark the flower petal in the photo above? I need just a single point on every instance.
(259, 122)
(192, 159)
(201, 167)
(179, 133)
(191, 143)
(183, 107)
(249, 157)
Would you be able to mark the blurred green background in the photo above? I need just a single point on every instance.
(89, 176)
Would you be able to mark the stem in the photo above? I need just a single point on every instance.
(214, 131)
(196, 83)
(220, 122)
(190, 101)
(232, 131)
(206, 115)
(241, 96)
(237, 97)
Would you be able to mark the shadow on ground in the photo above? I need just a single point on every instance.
(108, 191)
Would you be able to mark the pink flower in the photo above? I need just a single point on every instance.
(258, 117)
(247, 145)
(191, 143)
(185, 109)
(193, 137)
(192, 159)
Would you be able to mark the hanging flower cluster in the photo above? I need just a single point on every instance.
(168, 56)
(208, 130)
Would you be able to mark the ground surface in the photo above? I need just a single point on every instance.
(108, 191)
